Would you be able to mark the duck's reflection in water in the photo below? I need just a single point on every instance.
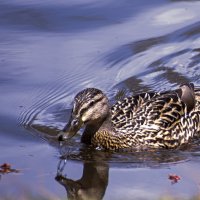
(92, 184)
(95, 175)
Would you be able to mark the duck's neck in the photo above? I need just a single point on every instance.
(91, 129)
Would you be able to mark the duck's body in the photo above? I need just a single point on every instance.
(159, 120)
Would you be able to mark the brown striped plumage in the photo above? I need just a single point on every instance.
(159, 120)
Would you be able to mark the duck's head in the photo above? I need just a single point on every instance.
(90, 107)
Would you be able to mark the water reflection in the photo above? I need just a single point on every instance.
(92, 184)
(96, 164)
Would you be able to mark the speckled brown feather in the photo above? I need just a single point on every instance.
(151, 120)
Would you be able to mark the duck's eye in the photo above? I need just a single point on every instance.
(91, 103)
(74, 122)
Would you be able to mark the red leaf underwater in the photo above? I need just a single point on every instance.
(174, 178)
(6, 168)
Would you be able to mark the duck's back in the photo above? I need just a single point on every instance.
(166, 119)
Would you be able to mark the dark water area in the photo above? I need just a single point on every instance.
(50, 50)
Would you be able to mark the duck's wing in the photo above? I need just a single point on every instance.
(162, 112)
(154, 110)
(167, 109)
(124, 110)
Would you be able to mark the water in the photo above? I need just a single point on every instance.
(51, 50)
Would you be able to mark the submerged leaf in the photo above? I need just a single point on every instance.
(174, 178)
(6, 168)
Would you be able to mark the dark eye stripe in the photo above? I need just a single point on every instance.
(91, 104)
(83, 111)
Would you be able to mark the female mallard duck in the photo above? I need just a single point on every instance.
(167, 119)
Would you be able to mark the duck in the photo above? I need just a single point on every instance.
(167, 119)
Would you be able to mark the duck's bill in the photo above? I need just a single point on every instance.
(70, 129)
